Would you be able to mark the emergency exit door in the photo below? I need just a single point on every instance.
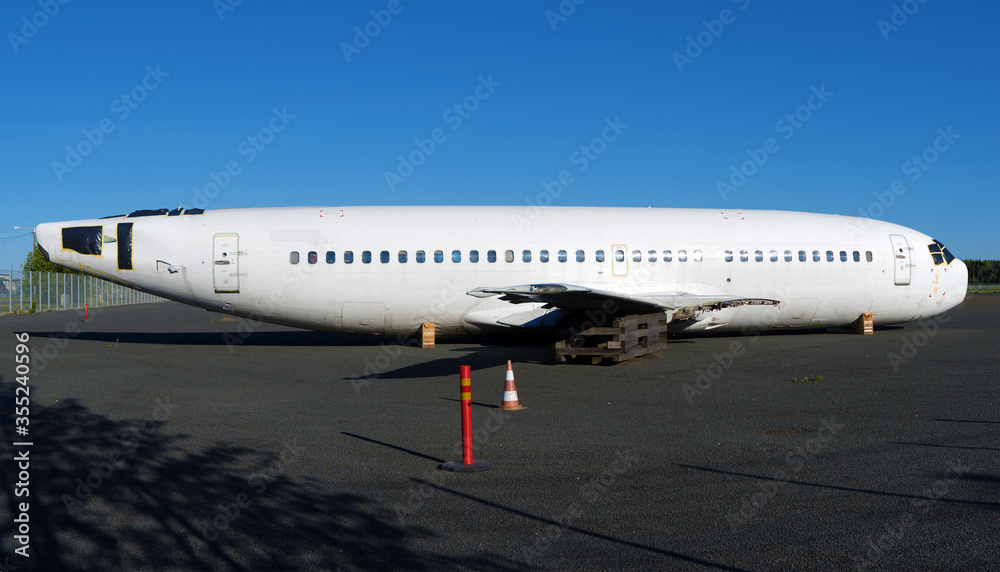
(619, 260)
(225, 263)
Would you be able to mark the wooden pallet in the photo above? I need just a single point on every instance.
(630, 337)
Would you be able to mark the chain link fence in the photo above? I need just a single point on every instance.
(44, 291)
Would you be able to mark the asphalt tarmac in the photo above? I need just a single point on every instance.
(168, 438)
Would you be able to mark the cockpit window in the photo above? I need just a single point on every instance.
(159, 212)
(939, 253)
(83, 239)
(147, 212)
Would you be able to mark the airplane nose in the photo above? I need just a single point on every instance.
(47, 237)
(961, 278)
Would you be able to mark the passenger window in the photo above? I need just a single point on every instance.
(401, 256)
(366, 257)
(599, 256)
(843, 256)
(744, 256)
(293, 257)
(682, 256)
(456, 255)
(774, 255)
(439, 256)
(491, 256)
(729, 256)
(636, 256)
(348, 257)
(816, 256)
(525, 256)
(667, 256)
(331, 257)
(563, 257)
(619, 255)
(313, 257)
(581, 256)
(857, 256)
(651, 256)
(543, 256)
(802, 256)
(509, 256)
(868, 256)
(829, 256)
(473, 256)
(788, 256)
(696, 255)
(384, 257)
(758, 255)
(421, 256)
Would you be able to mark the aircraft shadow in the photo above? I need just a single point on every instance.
(984, 504)
(110, 494)
(304, 338)
(946, 446)
(264, 338)
(621, 543)
(478, 357)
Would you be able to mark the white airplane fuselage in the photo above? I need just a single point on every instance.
(412, 265)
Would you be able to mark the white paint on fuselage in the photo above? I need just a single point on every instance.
(394, 297)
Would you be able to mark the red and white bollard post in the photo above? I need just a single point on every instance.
(467, 464)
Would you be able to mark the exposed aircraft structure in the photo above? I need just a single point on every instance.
(474, 270)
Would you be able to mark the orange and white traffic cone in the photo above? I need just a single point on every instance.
(510, 402)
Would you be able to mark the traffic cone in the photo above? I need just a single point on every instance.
(510, 402)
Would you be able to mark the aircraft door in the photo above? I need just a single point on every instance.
(225, 263)
(619, 260)
(901, 257)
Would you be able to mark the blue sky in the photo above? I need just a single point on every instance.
(811, 106)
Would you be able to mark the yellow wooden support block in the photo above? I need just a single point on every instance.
(864, 325)
(427, 338)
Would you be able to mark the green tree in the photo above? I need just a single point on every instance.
(35, 262)
(983, 271)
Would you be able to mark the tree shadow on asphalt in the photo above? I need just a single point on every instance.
(122, 494)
